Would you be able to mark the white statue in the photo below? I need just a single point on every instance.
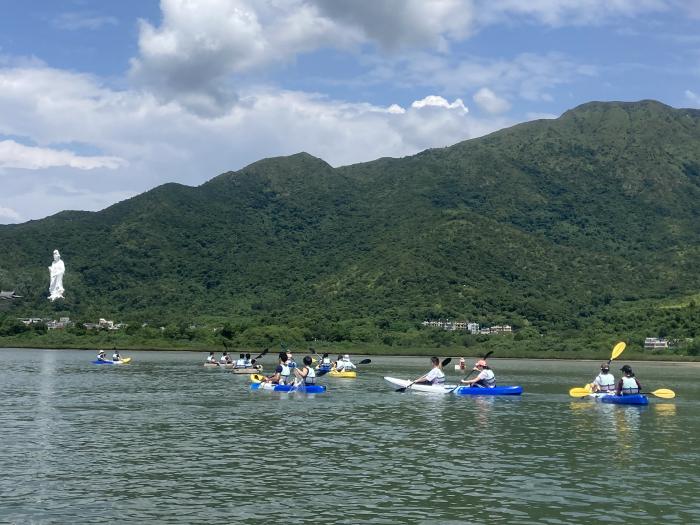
(56, 271)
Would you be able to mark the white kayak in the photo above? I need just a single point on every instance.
(433, 389)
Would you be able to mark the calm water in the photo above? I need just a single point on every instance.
(165, 440)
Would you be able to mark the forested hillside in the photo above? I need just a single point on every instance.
(581, 227)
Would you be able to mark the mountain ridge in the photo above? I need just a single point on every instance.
(533, 225)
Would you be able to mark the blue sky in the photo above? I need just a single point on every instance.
(101, 101)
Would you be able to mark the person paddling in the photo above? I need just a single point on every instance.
(281, 374)
(435, 377)
(345, 364)
(212, 358)
(225, 359)
(628, 384)
(101, 356)
(604, 381)
(306, 375)
(116, 356)
(240, 362)
(485, 379)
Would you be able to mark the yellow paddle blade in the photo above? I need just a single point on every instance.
(579, 392)
(256, 378)
(617, 350)
(665, 393)
(588, 388)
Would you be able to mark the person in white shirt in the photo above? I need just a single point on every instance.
(240, 362)
(225, 359)
(101, 356)
(605, 381)
(435, 377)
(212, 358)
(116, 356)
(247, 363)
(344, 364)
(485, 379)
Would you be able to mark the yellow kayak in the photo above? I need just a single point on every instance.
(350, 374)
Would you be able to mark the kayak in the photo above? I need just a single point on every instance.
(632, 399)
(124, 361)
(495, 391)
(216, 365)
(247, 370)
(350, 374)
(324, 368)
(456, 389)
(309, 389)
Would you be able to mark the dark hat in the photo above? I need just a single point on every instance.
(627, 369)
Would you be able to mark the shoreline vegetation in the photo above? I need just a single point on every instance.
(504, 348)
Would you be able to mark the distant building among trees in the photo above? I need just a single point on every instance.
(471, 327)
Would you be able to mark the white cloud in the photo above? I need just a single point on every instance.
(528, 76)
(164, 142)
(396, 109)
(396, 24)
(75, 21)
(436, 101)
(559, 13)
(16, 155)
(9, 215)
(489, 101)
(693, 97)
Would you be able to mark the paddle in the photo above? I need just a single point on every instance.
(444, 363)
(324, 372)
(261, 354)
(616, 352)
(664, 393)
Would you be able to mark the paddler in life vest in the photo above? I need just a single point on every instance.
(281, 375)
(344, 364)
(306, 375)
(212, 358)
(435, 377)
(605, 381)
(116, 356)
(628, 384)
(101, 356)
(485, 379)
(240, 362)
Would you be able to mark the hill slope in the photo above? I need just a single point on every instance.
(545, 223)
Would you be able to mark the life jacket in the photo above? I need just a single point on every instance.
(284, 374)
(326, 361)
(439, 379)
(310, 378)
(487, 382)
(115, 357)
(629, 386)
(240, 363)
(605, 382)
(211, 359)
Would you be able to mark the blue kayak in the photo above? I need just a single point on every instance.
(632, 399)
(309, 389)
(495, 391)
(324, 368)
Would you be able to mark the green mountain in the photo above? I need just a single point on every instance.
(548, 226)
